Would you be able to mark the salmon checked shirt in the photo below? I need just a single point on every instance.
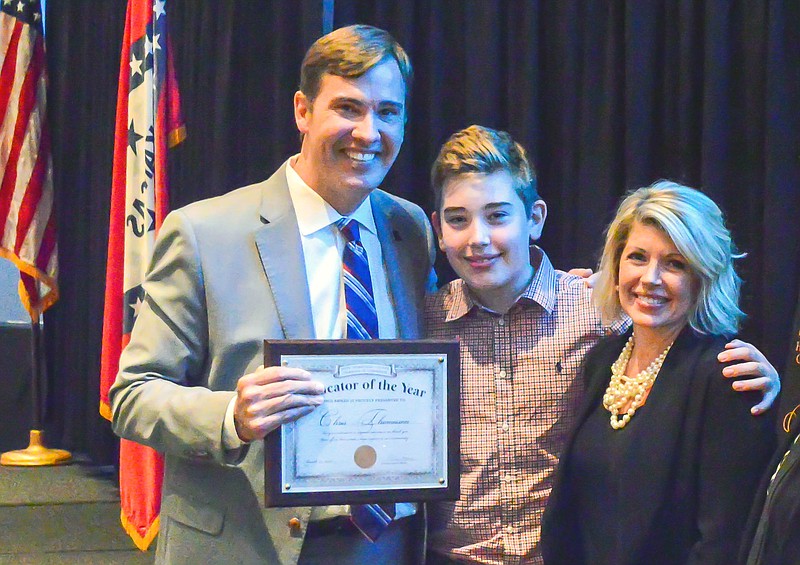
(519, 394)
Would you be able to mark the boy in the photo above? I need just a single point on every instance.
(524, 329)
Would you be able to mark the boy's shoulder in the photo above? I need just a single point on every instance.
(569, 289)
(566, 282)
(572, 302)
(574, 299)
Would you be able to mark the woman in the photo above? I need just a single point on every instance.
(777, 538)
(664, 458)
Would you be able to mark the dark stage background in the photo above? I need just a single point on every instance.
(606, 95)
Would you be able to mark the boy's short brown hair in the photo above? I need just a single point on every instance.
(482, 150)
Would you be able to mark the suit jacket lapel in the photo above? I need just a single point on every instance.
(281, 251)
(398, 256)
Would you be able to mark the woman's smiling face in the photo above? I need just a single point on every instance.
(657, 288)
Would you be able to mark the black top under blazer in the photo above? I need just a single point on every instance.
(705, 452)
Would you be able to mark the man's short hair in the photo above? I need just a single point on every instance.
(349, 52)
(696, 226)
(482, 150)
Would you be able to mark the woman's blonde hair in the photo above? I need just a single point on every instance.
(696, 226)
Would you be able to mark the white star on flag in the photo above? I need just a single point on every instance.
(158, 8)
(136, 306)
(136, 65)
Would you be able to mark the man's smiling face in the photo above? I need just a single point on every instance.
(352, 133)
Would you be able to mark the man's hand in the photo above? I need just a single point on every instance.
(272, 396)
(749, 361)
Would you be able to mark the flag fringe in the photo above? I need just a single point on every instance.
(47, 300)
(176, 136)
(141, 541)
(105, 410)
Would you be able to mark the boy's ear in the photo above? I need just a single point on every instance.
(437, 228)
(537, 219)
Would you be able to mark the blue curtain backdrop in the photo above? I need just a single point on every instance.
(607, 96)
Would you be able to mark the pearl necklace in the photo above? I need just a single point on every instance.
(623, 389)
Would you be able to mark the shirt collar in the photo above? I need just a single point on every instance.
(540, 290)
(314, 213)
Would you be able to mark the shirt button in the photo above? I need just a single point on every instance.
(509, 529)
(501, 321)
(505, 426)
(501, 374)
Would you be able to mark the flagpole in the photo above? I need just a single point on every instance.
(36, 454)
(36, 389)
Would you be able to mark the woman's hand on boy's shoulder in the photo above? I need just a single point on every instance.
(746, 360)
(588, 275)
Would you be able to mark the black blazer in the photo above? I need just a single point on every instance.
(692, 474)
(777, 515)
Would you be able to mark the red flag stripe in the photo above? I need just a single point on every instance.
(9, 69)
(32, 201)
(26, 106)
(48, 246)
(37, 140)
(139, 497)
(27, 225)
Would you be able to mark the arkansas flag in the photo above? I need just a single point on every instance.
(148, 122)
(27, 222)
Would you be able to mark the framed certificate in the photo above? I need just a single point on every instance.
(388, 430)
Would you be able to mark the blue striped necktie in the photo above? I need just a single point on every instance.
(362, 320)
(362, 323)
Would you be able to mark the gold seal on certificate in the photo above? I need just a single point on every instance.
(365, 456)
(387, 431)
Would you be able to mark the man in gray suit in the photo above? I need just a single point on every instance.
(264, 262)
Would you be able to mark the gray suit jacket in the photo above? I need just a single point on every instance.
(226, 274)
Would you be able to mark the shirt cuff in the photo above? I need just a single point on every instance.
(405, 509)
(230, 439)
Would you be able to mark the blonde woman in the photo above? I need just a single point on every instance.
(665, 457)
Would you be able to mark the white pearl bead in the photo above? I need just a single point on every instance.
(629, 391)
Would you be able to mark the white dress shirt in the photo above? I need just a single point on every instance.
(323, 245)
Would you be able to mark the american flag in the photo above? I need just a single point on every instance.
(26, 176)
(148, 122)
